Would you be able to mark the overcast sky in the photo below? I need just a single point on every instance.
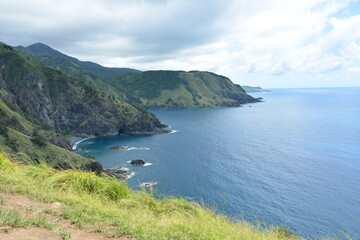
(268, 43)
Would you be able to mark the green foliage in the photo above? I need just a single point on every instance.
(12, 143)
(249, 89)
(63, 98)
(284, 232)
(3, 129)
(150, 89)
(11, 218)
(39, 140)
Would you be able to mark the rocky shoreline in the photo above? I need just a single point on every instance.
(120, 172)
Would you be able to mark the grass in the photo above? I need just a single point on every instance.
(102, 204)
(12, 218)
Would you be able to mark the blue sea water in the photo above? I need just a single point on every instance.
(292, 160)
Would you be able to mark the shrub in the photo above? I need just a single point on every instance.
(3, 130)
(39, 140)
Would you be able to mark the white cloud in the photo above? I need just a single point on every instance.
(235, 38)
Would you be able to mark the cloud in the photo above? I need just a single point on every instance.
(233, 38)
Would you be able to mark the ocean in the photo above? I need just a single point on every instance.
(292, 160)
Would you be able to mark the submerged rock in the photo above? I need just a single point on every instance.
(118, 172)
(118, 148)
(137, 162)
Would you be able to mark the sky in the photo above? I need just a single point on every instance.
(267, 43)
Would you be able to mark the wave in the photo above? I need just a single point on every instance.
(145, 184)
(137, 148)
(173, 131)
(78, 142)
(131, 175)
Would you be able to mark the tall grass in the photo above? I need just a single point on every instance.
(102, 204)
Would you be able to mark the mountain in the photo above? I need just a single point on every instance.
(249, 89)
(44, 49)
(59, 61)
(66, 104)
(149, 89)
(179, 89)
(39, 106)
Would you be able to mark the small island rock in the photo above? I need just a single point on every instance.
(118, 148)
(137, 162)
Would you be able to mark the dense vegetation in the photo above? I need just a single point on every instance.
(41, 108)
(150, 89)
(66, 104)
(249, 89)
(102, 204)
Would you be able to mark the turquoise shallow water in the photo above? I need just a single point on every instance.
(293, 160)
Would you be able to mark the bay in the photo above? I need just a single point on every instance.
(293, 160)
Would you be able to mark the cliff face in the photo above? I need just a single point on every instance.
(65, 104)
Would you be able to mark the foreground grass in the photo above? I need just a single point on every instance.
(12, 218)
(102, 204)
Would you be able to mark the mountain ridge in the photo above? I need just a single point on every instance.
(150, 89)
(43, 49)
(41, 108)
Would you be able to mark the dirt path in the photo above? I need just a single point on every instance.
(28, 207)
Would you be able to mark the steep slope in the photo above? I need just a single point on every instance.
(61, 62)
(65, 104)
(151, 89)
(105, 206)
(29, 141)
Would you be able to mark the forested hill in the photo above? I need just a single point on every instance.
(150, 89)
(179, 89)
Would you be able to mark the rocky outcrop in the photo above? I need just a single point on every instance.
(66, 105)
(137, 162)
(118, 148)
(118, 172)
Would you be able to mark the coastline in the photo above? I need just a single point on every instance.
(75, 141)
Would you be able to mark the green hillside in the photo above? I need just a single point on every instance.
(179, 89)
(65, 104)
(250, 89)
(103, 205)
(150, 89)
(61, 62)
(30, 141)
(41, 108)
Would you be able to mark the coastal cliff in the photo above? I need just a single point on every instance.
(65, 104)
(41, 107)
(149, 89)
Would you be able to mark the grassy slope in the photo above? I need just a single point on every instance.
(103, 204)
(152, 89)
(71, 69)
(18, 137)
(69, 105)
(249, 89)
(178, 89)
